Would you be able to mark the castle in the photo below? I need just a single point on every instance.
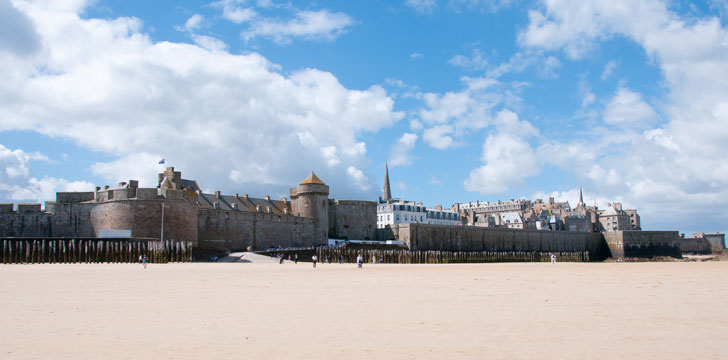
(178, 210)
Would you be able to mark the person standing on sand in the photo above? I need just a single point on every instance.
(553, 258)
(295, 258)
(359, 261)
(145, 260)
(314, 258)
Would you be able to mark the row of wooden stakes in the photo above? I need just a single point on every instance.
(445, 257)
(66, 251)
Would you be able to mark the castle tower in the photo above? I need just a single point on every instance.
(311, 199)
(386, 192)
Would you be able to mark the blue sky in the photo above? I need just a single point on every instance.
(466, 99)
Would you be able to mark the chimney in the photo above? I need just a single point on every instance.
(217, 194)
(267, 197)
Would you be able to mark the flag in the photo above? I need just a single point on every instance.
(161, 161)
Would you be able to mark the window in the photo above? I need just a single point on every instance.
(396, 218)
(388, 217)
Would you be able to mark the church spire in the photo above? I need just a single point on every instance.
(581, 197)
(386, 192)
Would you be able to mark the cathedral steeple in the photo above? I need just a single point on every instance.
(581, 198)
(386, 192)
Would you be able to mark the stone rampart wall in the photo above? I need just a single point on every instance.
(470, 238)
(222, 230)
(634, 243)
(144, 218)
(695, 246)
(352, 220)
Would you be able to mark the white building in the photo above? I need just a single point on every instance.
(394, 211)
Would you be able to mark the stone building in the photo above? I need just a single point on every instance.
(613, 218)
(177, 210)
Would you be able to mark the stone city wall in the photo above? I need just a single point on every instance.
(635, 243)
(695, 246)
(471, 238)
(352, 220)
(225, 230)
(28, 221)
(144, 218)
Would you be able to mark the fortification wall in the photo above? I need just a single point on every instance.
(144, 218)
(473, 238)
(223, 230)
(24, 224)
(352, 220)
(695, 246)
(72, 220)
(74, 197)
(633, 243)
(717, 241)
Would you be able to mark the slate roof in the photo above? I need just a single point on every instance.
(240, 203)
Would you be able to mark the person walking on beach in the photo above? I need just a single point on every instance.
(314, 258)
(295, 258)
(140, 259)
(359, 261)
(145, 260)
(553, 258)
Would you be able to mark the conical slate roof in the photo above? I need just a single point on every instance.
(312, 179)
(386, 192)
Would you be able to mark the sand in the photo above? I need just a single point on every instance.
(234, 311)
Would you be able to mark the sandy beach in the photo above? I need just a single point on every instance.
(233, 311)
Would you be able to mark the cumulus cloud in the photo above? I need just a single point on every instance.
(17, 33)
(485, 6)
(18, 183)
(309, 25)
(447, 117)
(233, 11)
(439, 137)
(230, 121)
(608, 70)
(475, 62)
(680, 159)
(422, 6)
(401, 150)
(508, 158)
(627, 109)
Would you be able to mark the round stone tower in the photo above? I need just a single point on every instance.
(311, 199)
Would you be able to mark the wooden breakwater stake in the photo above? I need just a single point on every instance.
(91, 250)
(445, 257)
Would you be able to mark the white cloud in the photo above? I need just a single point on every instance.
(508, 160)
(400, 186)
(194, 22)
(474, 62)
(209, 42)
(415, 55)
(231, 10)
(422, 6)
(401, 150)
(309, 25)
(486, 6)
(679, 162)
(608, 70)
(628, 110)
(360, 180)
(17, 33)
(226, 120)
(439, 137)
(18, 184)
